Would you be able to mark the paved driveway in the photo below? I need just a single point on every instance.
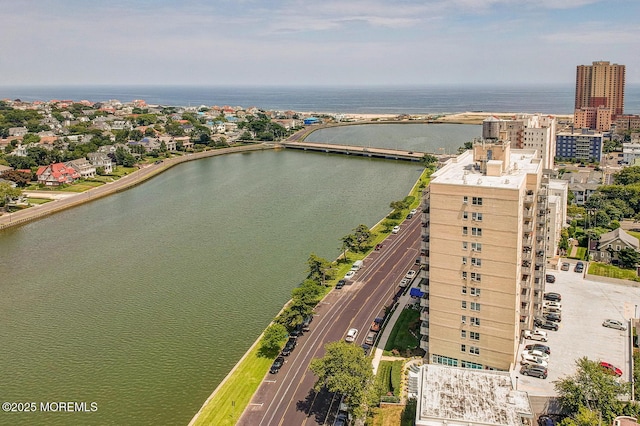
(585, 304)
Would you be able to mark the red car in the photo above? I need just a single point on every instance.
(611, 369)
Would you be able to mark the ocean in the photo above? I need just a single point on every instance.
(556, 99)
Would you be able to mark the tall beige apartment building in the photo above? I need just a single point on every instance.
(485, 216)
(599, 94)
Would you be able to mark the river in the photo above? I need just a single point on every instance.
(142, 301)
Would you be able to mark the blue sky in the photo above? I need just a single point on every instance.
(328, 42)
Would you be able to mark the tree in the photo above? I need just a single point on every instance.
(308, 293)
(593, 388)
(272, 339)
(429, 160)
(124, 158)
(627, 176)
(319, 269)
(345, 369)
(8, 193)
(584, 417)
(628, 258)
(363, 237)
(349, 242)
(20, 178)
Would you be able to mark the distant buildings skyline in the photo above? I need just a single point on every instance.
(599, 95)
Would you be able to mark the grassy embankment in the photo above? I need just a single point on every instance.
(401, 340)
(231, 397)
(611, 271)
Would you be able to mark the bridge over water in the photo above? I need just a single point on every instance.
(391, 154)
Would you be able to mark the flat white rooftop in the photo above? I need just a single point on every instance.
(465, 397)
(463, 170)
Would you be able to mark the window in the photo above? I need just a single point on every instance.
(463, 334)
(473, 365)
(464, 245)
(444, 360)
(465, 215)
(463, 319)
(465, 199)
(475, 321)
(477, 201)
(464, 289)
(476, 277)
(476, 247)
(476, 217)
(617, 248)
(474, 335)
(475, 306)
(464, 260)
(464, 275)
(475, 291)
(465, 230)
(463, 304)
(474, 350)
(476, 232)
(476, 261)
(463, 348)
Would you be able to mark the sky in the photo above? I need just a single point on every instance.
(313, 43)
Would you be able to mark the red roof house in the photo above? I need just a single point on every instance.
(56, 174)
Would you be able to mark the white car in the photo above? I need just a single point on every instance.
(414, 211)
(536, 335)
(410, 274)
(395, 229)
(551, 304)
(539, 354)
(350, 275)
(533, 360)
(351, 335)
(611, 323)
(404, 282)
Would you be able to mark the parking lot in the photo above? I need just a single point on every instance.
(585, 304)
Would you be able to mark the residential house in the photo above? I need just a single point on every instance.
(18, 131)
(101, 159)
(606, 248)
(56, 174)
(82, 166)
(583, 184)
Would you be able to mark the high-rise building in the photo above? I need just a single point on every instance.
(483, 255)
(599, 86)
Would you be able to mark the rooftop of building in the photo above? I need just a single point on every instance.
(470, 396)
(465, 170)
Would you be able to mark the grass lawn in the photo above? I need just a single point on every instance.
(605, 270)
(634, 233)
(393, 415)
(38, 200)
(581, 252)
(234, 395)
(389, 375)
(79, 186)
(400, 337)
(120, 171)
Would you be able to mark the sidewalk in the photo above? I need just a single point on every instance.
(403, 301)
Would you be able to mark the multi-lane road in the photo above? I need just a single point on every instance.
(288, 398)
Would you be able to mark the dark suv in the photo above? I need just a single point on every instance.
(538, 347)
(579, 267)
(555, 297)
(534, 371)
(288, 348)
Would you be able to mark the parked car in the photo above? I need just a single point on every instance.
(553, 317)
(565, 266)
(296, 331)
(555, 297)
(340, 284)
(611, 323)
(376, 324)
(549, 325)
(550, 278)
(341, 420)
(410, 274)
(409, 216)
(536, 335)
(289, 346)
(535, 352)
(579, 267)
(413, 211)
(349, 275)
(351, 335)
(277, 364)
(404, 282)
(546, 421)
(395, 229)
(306, 324)
(611, 369)
(538, 347)
(378, 246)
(533, 360)
(551, 310)
(534, 371)
(552, 304)
(371, 337)
(366, 348)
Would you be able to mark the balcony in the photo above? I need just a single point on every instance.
(424, 328)
(527, 227)
(424, 343)
(525, 282)
(424, 315)
(528, 213)
(526, 255)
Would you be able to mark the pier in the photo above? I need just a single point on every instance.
(363, 151)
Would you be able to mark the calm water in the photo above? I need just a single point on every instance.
(433, 138)
(550, 99)
(143, 301)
